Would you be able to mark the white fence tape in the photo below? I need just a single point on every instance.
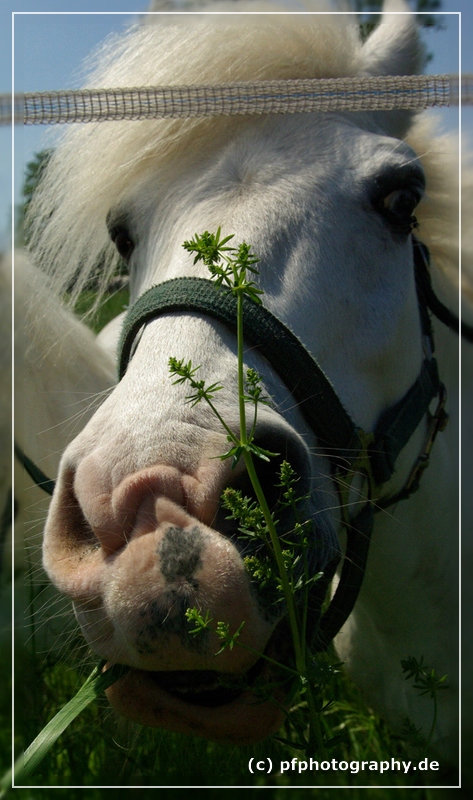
(264, 97)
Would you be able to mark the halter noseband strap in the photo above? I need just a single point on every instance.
(287, 355)
(341, 440)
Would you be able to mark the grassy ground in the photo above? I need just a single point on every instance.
(98, 749)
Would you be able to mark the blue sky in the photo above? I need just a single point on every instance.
(49, 49)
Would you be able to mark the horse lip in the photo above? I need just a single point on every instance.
(235, 714)
(207, 688)
(212, 695)
(243, 719)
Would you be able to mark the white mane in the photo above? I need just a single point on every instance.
(97, 165)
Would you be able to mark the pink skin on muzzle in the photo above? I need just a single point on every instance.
(133, 560)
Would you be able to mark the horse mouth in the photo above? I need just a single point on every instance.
(223, 707)
(207, 688)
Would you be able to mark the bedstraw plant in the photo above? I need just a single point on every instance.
(427, 684)
(280, 564)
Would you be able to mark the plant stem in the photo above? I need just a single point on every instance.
(231, 435)
(316, 743)
(434, 722)
(260, 496)
(241, 378)
(208, 247)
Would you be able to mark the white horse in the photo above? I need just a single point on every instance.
(326, 200)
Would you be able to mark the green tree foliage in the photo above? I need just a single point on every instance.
(33, 172)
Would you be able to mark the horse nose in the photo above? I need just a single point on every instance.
(88, 518)
(136, 556)
(145, 500)
(134, 561)
(88, 513)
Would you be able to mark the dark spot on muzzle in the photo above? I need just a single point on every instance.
(180, 554)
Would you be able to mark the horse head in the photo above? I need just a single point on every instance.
(136, 533)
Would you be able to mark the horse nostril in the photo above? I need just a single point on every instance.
(74, 522)
(69, 539)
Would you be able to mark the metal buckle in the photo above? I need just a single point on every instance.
(345, 477)
(437, 422)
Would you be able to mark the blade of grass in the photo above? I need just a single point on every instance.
(97, 682)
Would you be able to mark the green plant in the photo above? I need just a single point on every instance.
(93, 687)
(427, 684)
(280, 564)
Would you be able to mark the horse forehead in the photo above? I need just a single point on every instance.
(280, 167)
(345, 137)
(279, 147)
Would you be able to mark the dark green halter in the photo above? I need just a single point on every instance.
(336, 432)
(350, 450)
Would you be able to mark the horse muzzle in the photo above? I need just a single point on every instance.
(135, 558)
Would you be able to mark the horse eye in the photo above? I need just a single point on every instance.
(398, 207)
(401, 202)
(123, 242)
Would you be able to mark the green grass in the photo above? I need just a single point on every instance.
(98, 749)
(112, 305)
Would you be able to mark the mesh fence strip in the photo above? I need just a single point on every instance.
(264, 97)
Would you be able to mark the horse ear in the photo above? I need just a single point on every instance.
(394, 48)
